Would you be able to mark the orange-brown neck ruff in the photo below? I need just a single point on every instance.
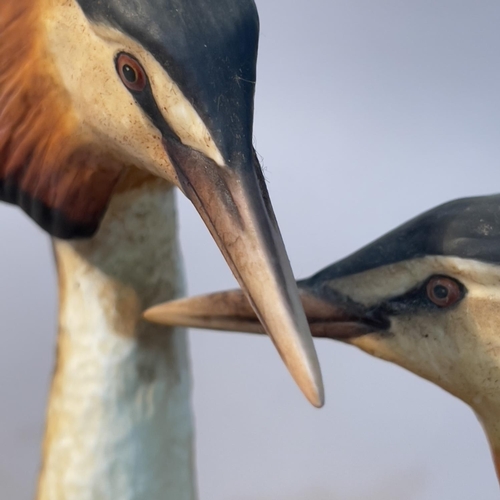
(62, 181)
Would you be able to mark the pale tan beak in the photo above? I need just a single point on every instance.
(235, 206)
(329, 315)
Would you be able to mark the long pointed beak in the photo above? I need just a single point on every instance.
(330, 315)
(235, 206)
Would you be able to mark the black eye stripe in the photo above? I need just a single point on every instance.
(417, 298)
(145, 99)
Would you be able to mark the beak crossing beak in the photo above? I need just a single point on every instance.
(330, 315)
(234, 204)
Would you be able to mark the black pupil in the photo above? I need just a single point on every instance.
(440, 291)
(129, 73)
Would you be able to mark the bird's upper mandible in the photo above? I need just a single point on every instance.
(90, 90)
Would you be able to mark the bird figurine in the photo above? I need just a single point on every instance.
(425, 296)
(105, 106)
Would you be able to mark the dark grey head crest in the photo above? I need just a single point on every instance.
(467, 228)
(208, 47)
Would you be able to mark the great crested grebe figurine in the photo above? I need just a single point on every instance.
(425, 296)
(105, 106)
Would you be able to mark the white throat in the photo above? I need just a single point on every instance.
(119, 424)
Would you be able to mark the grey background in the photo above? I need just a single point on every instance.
(367, 113)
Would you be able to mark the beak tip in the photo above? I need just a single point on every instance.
(306, 372)
(319, 403)
(169, 313)
(305, 367)
(316, 392)
(152, 315)
(316, 396)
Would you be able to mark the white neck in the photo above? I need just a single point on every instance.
(119, 424)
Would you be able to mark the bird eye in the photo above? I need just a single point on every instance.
(443, 291)
(131, 73)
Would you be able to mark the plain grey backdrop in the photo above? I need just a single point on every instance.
(367, 113)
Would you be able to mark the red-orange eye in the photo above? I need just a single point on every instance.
(131, 73)
(443, 291)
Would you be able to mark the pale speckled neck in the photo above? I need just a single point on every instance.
(488, 413)
(119, 423)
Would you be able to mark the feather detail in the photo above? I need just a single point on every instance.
(48, 166)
